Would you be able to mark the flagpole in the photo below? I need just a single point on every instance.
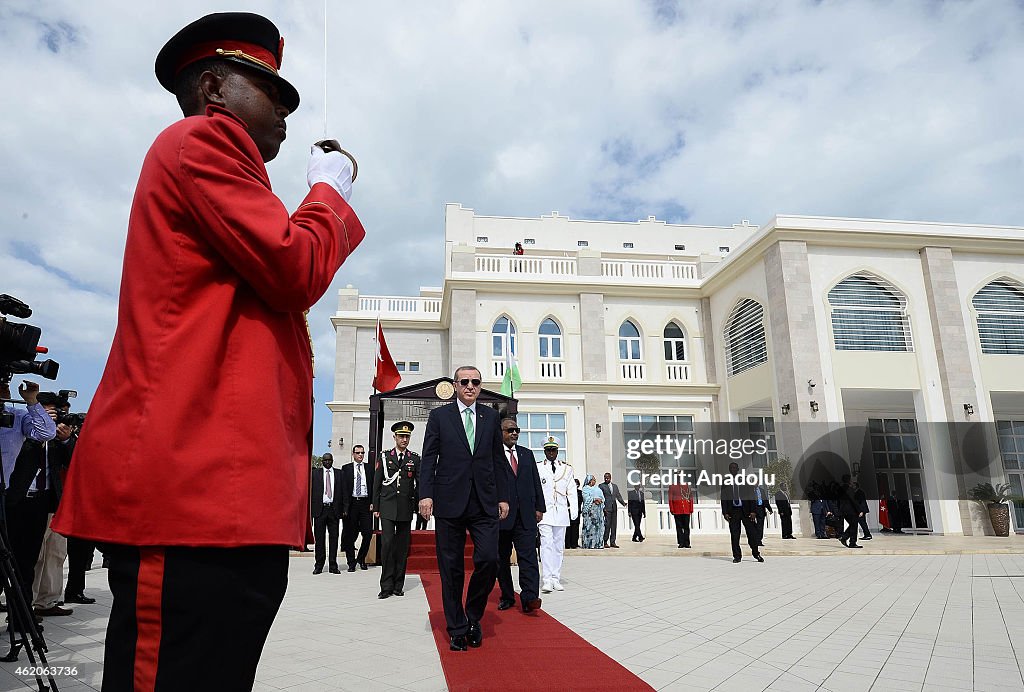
(325, 69)
(376, 354)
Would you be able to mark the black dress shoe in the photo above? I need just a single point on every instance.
(854, 545)
(318, 570)
(759, 558)
(362, 565)
(79, 598)
(506, 603)
(843, 541)
(384, 594)
(865, 538)
(397, 592)
(736, 559)
(530, 606)
(458, 642)
(475, 635)
(351, 568)
(334, 570)
(614, 545)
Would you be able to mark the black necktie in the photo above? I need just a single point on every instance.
(552, 466)
(400, 458)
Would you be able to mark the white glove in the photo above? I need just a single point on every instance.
(333, 168)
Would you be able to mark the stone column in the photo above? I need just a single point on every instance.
(794, 351)
(956, 375)
(462, 330)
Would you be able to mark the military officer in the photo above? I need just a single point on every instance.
(556, 478)
(394, 501)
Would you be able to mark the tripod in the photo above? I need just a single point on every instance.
(23, 631)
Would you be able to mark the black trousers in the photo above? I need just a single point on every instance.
(682, 529)
(525, 542)
(736, 520)
(762, 515)
(450, 540)
(394, 552)
(190, 618)
(26, 527)
(572, 534)
(851, 528)
(863, 521)
(80, 553)
(611, 521)
(326, 523)
(786, 521)
(359, 522)
(637, 517)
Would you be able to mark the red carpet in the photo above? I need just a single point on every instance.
(523, 652)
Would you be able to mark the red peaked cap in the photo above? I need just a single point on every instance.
(241, 37)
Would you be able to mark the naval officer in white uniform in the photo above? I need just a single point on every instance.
(559, 484)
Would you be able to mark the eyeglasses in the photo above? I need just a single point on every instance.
(465, 382)
(511, 430)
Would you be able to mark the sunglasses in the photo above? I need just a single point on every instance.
(358, 452)
(465, 382)
(511, 430)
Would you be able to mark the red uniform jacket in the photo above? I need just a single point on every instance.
(199, 433)
(678, 501)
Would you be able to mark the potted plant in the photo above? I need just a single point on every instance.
(995, 499)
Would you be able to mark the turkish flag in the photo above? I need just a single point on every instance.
(386, 377)
(883, 513)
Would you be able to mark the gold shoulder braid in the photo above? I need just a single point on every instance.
(309, 334)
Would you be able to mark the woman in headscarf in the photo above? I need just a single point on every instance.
(593, 514)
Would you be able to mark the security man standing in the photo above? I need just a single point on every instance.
(395, 498)
(556, 479)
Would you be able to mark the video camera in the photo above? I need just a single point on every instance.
(19, 344)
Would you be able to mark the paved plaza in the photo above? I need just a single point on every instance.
(821, 618)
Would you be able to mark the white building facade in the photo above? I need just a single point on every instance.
(892, 328)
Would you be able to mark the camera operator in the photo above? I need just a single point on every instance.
(26, 477)
(31, 422)
(49, 570)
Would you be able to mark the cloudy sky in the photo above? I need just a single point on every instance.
(697, 112)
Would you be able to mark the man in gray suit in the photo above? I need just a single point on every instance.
(611, 496)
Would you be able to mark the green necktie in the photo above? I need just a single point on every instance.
(470, 432)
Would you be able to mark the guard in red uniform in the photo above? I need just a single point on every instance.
(680, 504)
(194, 464)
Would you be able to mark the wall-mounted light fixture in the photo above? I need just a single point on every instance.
(812, 384)
(341, 442)
(785, 409)
(814, 407)
(597, 428)
(969, 409)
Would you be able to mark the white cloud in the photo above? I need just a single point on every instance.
(708, 111)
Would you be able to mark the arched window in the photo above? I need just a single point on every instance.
(500, 332)
(1000, 307)
(629, 341)
(675, 342)
(869, 314)
(550, 339)
(746, 345)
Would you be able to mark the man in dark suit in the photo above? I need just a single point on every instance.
(739, 509)
(611, 514)
(33, 495)
(465, 487)
(849, 509)
(395, 493)
(526, 508)
(785, 511)
(762, 508)
(862, 506)
(357, 507)
(637, 511)
(325, 506)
